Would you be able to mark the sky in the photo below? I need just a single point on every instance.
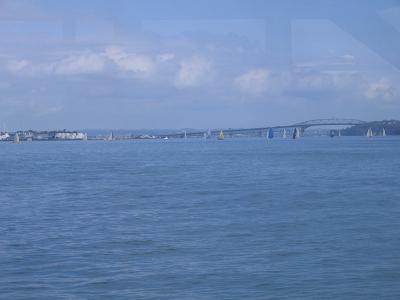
(161, 64)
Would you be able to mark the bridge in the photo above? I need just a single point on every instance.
(328, 122)
(262, 130)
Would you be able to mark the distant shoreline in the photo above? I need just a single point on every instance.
(386, 127)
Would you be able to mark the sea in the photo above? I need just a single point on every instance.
(242, 218)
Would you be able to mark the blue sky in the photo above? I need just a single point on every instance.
(196, 64)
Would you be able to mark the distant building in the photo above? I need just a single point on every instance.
(4, 136)
(70, 135)
(42, 136)
(27, 135)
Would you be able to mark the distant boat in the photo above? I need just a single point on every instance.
(383, 132)
(284, 134)
(221, 136)
(205, 135)
(270, 134)
(370, 133)
(296, 133)
(209, 133)
(16, 138)
(340, 133)
(184, 135)
(111, 136)
(165, 138)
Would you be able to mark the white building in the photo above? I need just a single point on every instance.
(70, 135)
(4, 136)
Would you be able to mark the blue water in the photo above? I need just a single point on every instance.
(315, 218)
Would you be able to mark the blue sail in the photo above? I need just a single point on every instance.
(270, 133)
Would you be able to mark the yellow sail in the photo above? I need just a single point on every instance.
(221, 135)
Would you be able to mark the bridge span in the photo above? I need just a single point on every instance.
(260, 130)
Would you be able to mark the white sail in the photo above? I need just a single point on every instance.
(369, 133)
(111, 136)
(16, 138)
(383, 132)
(284, 134)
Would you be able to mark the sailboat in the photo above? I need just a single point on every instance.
(270, 134)
(296, 133)
(383, 132)
(111, 136)
(16, 138)
(209, 133)
(370, 133)
(340, 133)
(184, 135)
(221, 136)
(284, 134)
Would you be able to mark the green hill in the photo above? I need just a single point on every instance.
(392, 127)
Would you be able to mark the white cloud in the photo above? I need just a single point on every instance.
(314, 81)
(71, 65)
(254, 82)
(164, 69)
(382, 89)
(80, 64)
(194, 72)
(141, 65)
(16, 66)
